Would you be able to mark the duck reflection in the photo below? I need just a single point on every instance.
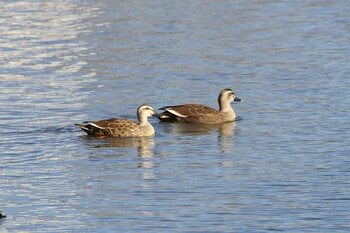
(144, 145)
(145, 151)
(225, 132)
(186, 128)
(226, 137)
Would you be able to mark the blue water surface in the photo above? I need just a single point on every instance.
(284, 166)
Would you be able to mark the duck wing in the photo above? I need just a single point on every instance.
(109, 127)
(188, 110)
(112, 123)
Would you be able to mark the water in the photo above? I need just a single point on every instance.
(284, 166)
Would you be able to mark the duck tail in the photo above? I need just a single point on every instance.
(166, 117)
(83, 127)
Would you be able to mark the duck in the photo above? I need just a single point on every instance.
(201, 114)
(122, 128)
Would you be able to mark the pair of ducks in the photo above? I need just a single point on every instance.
(189, 113)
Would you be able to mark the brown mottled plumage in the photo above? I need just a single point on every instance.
(197, 113)
(117, 127)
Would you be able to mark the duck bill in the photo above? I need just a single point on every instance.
(238, 99)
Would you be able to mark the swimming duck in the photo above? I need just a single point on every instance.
(117, 127)
(197, 113)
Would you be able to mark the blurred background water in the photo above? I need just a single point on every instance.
(284, 166)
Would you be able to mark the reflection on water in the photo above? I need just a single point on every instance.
(224, 132)
(186, 128)
(42, 42)
(144, 145)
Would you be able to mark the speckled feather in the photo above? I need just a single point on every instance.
(191, 109)
(118, 127)
(195, 113)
